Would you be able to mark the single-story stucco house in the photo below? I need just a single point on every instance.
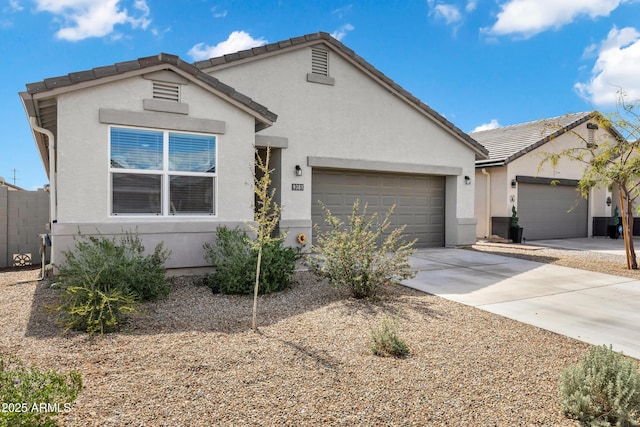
(166, 148)
(547, 201)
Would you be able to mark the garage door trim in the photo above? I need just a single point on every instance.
(381, 166)
(548, 181)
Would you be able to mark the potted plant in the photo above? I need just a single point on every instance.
(515, 230)
(613, 230)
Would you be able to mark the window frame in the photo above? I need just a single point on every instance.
(165, 174)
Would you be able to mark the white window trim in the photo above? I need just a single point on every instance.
(165, 173)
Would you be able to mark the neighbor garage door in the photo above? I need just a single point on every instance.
(551, 211)
(419, 200)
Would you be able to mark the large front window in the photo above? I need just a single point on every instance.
(157, 172)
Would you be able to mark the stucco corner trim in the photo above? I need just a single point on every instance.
(382, 166)
(467, 221)
(319, 78)
(161, 121)
(264, 141)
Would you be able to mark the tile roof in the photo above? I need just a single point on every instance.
(507, 143)
(140, 64)
(322, 37)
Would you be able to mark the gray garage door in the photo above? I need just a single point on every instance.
(551, 211)
(419, 200)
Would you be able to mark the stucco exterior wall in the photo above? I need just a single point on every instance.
(356, 118)
(83, 180)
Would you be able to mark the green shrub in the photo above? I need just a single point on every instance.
(235, 259)
(603, 390)
(30, 397)
(352, 257)
(103, 280)
(386, 342)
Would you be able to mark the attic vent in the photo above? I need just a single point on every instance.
(320, 62)
(166, 91)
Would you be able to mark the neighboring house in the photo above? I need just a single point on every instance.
(23, 218)
(167, 148)
(547, 201)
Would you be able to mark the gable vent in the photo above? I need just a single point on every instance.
(320, 62)
(166, 91)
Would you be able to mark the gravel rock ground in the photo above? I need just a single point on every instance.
(192, 360)
(585, 260)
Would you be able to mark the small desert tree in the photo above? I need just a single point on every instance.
(266, 217)
(611, 159)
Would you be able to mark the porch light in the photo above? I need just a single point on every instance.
(467, 180)
(514, 184)
(608, 200)
(298, 170)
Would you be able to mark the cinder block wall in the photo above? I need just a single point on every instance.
(4, 218)
(23, 217)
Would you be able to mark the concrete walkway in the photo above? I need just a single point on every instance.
(592, 307)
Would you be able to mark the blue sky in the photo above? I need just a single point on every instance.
(477, 62)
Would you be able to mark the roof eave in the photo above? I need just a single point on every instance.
(53, 87)
(31, 111)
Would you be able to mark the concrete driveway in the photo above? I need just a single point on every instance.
(592, 307)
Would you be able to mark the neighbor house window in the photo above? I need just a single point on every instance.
(156, 172)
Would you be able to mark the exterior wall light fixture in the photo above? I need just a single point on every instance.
(298, 170)
(608, 200)
(514, 184)
(467, 180)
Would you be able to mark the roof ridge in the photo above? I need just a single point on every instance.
(580, 115)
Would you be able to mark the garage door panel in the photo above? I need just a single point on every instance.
(551, 211)
(419, 200)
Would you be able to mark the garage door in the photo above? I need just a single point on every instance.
(551, 211)
(419, 200)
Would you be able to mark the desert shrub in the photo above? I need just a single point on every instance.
(603, 390)
(31, 397)
(355, 256)
(385, 340)
(95, 307)
(235, 259)
(123, 264)
(103, 280)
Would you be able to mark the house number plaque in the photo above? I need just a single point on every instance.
(297, 187)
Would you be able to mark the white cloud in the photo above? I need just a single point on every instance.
(493, 124)
(449, 12)
(530, 17)
(237, 40)
(341, 32)
(15, 6)
(471, 6)
(218, 14)
(342, 11)
(617, 67)
(93, 18)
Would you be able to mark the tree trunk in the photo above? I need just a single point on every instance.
(627, 227)
(632, 251)
(254, 324)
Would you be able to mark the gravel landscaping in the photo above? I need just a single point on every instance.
(192, 360)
